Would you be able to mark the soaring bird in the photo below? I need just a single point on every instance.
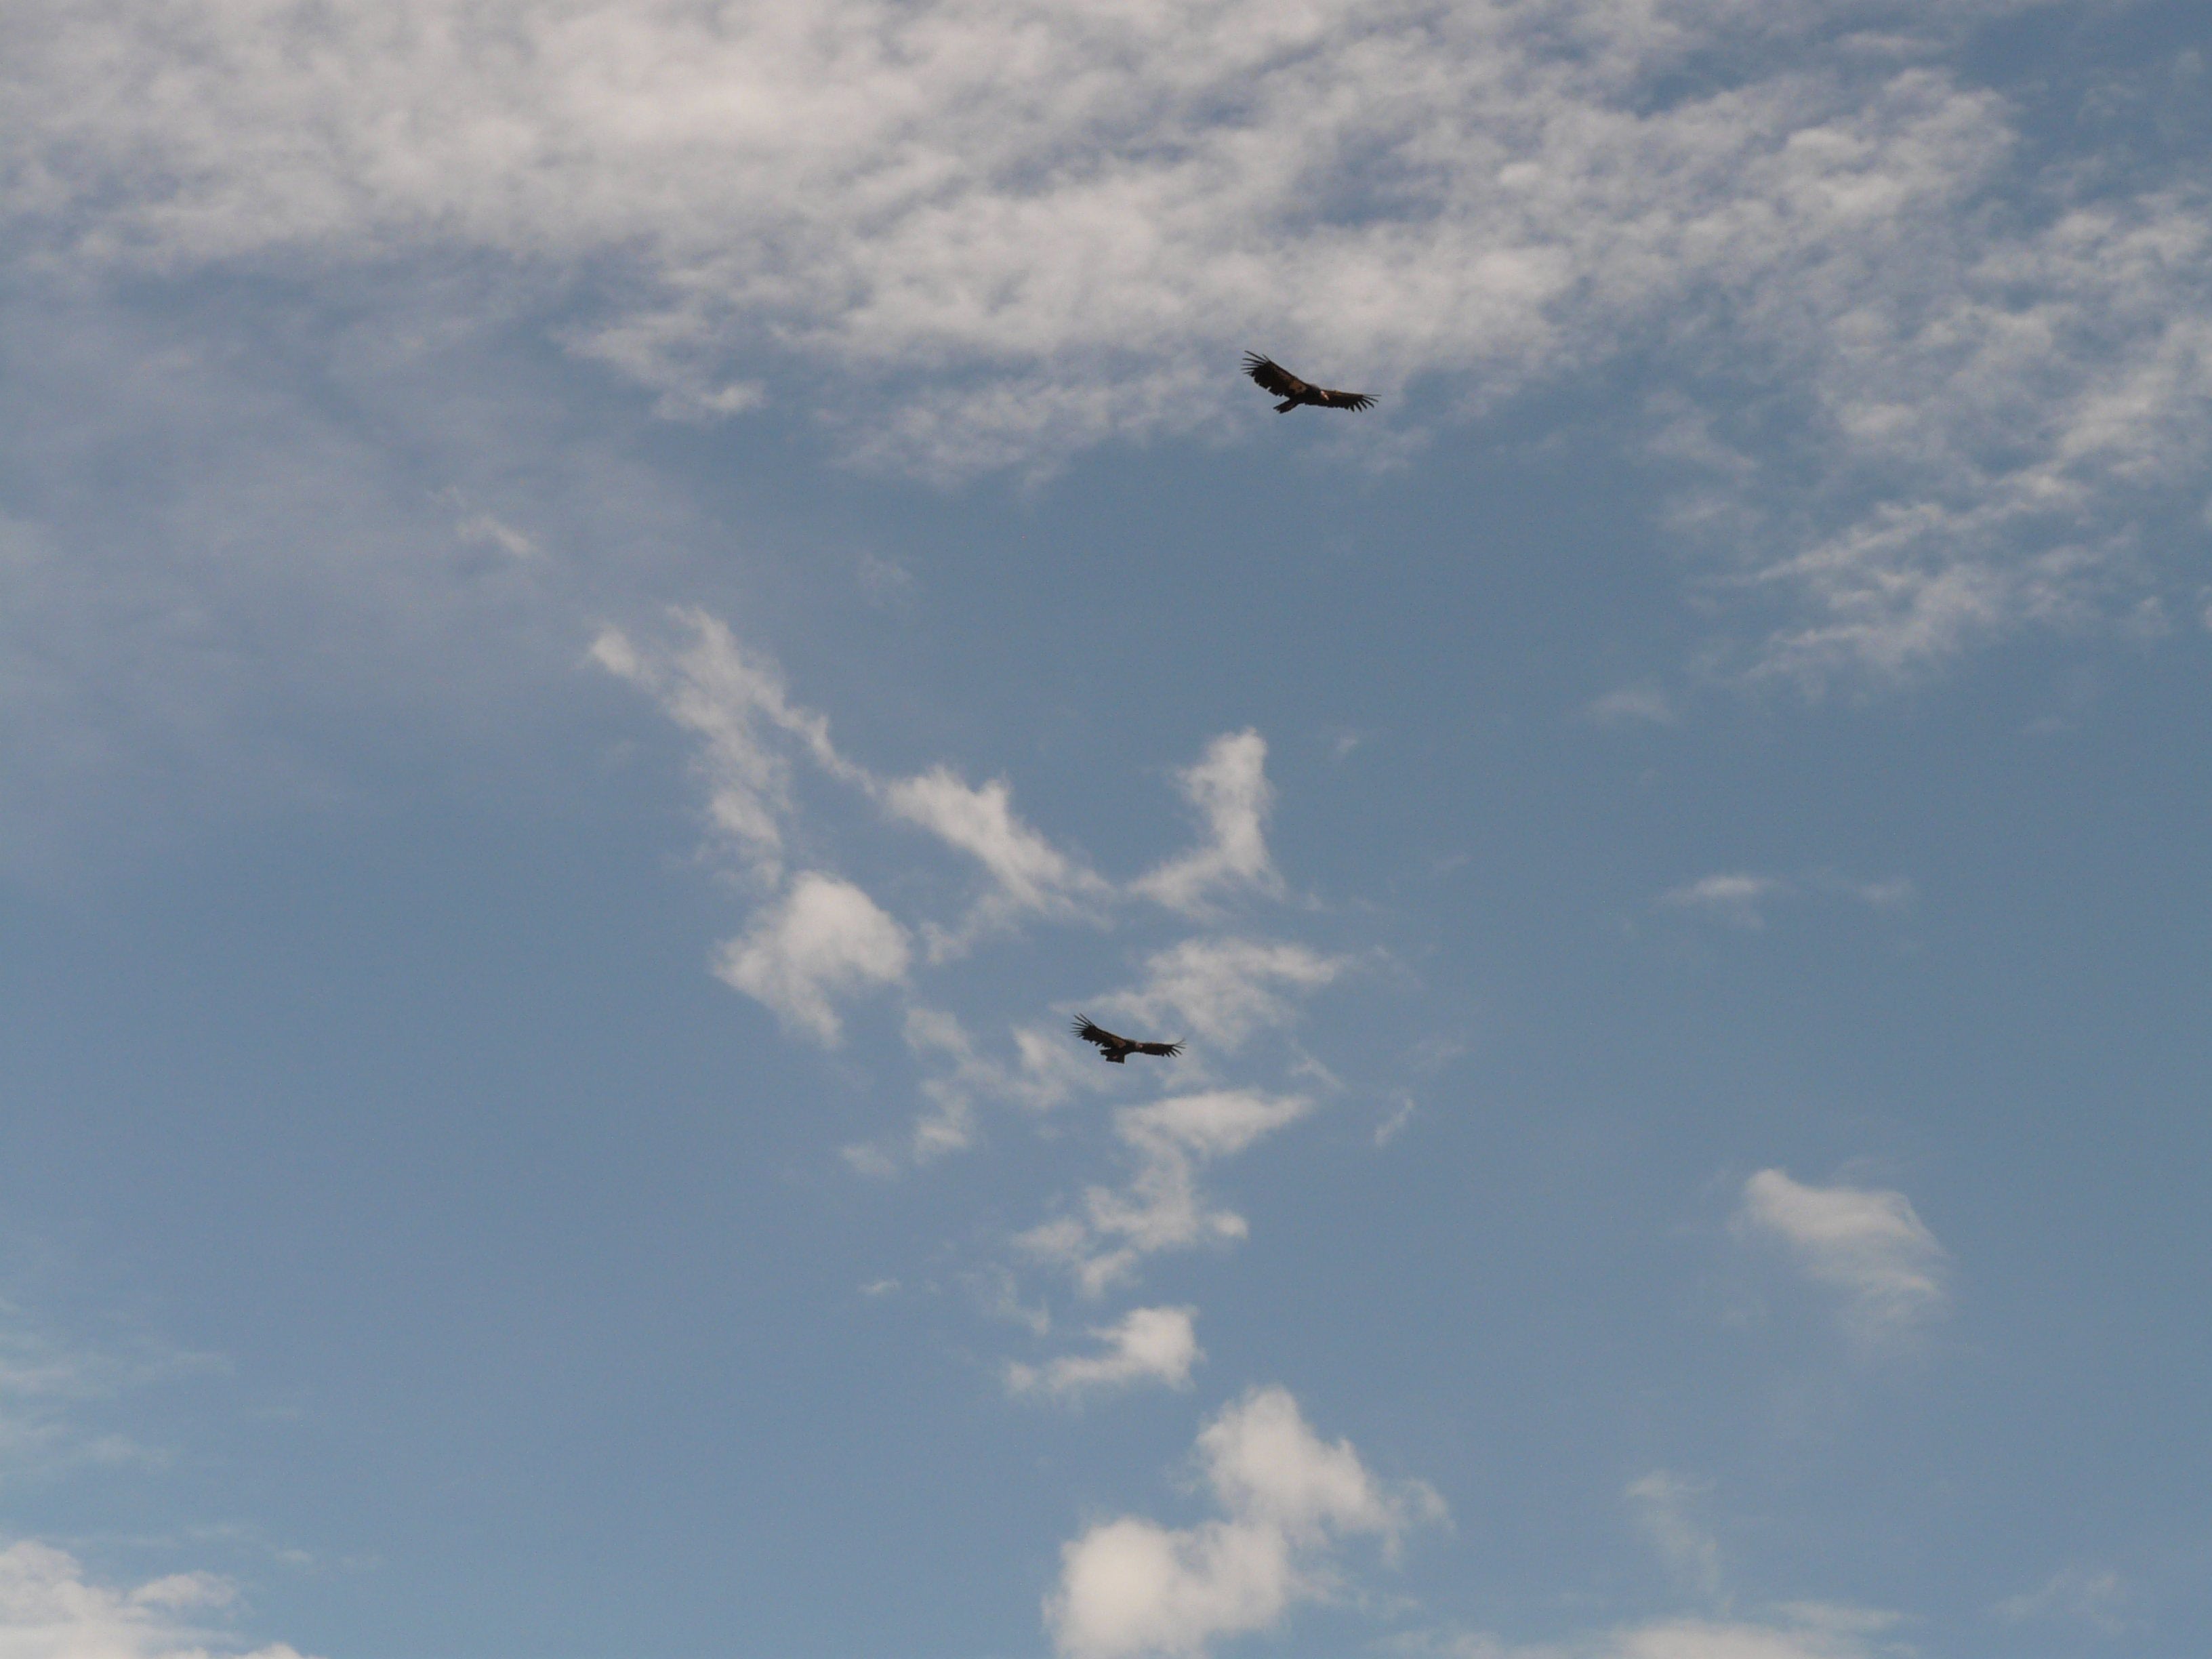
(1117, 1049)
(1276, 380)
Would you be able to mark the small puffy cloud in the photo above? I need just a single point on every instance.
(1229, 786)
(1149, 1345)
(1865, 1243)
(826, 938)
(1735, 898)
(50, 1610)
(1289, 1500)
(1225, 989)
(1161, 1207)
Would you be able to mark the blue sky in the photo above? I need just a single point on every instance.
(610, 615)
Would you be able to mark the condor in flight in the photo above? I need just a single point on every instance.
(1275, 378)
(1117, 1049)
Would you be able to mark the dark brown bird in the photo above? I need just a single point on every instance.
(1117, 1049)
(1273, 378)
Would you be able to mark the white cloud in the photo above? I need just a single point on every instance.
(734, 702)
(1865, 1243)
(1289, 1500)
(485, 530)
(1148, 1345)
(1229, 786)
(826, 938)
(1225, 989)
(50, 1610)
(1740, 898)
(1162, 1207)
(737, 702)
(1045, 1071)
(1031, 876)
(1734, 897)
(1665, 1508)
(977, 237)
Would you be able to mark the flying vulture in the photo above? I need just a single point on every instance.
(1279, 382)
(1117, 1049)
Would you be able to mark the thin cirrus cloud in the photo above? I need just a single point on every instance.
(1147, 1345)
(1289, 1502)
(1042, 227)
(1225, 989)
(1795, 1630)
(1162, 1205)
(1865, 1244)
(1742, 898)
(959, 1079)
(1666, 1509)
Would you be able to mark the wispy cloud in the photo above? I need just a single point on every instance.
(1031, 876)
(1161, 1207)
(824, 936)
(1635, 705)
(2093, 1598)
(1735, 898)
(1289, 1501)
(1225, 989)
(1230, 791)
(56, 1393)
(975, 240)
(1742, 898)
(1865, 1243)
(1148, 1345)
(1665, 1507)
(958, 1078)
(1798, 1630)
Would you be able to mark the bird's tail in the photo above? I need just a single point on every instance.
(1286, 405)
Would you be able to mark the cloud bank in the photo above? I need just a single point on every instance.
(1917, 386)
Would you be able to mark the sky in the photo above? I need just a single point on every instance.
(613, 614)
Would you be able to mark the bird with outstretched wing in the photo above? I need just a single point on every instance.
(1273, 378)
(1117, 1049)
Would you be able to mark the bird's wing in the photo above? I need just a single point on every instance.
(1347, 400)
(1166, 1048)
(1098, 1033)
(1274, 376)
